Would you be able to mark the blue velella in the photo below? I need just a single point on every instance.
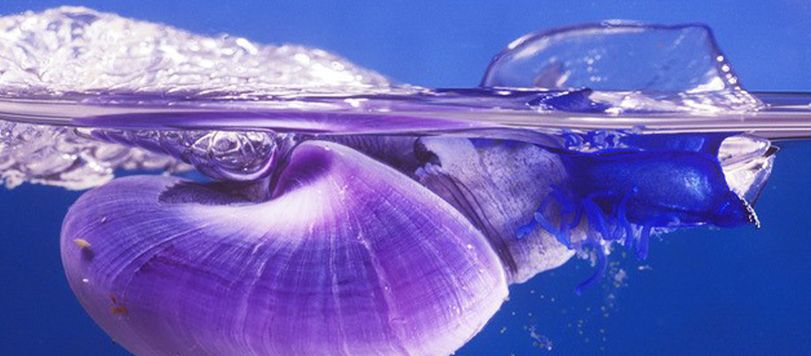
(623, 187)
(624, 195)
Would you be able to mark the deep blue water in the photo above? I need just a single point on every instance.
(742, 291)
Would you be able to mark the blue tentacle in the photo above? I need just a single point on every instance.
(601, 266)
(562, 232)
(623, 224)
(643, 244)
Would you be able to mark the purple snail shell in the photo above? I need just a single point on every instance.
(347, 256)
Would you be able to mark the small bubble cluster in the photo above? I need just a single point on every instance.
(230, 155)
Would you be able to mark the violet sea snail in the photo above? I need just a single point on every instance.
(347, 256)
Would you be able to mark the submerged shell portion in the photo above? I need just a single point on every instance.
(347, 257)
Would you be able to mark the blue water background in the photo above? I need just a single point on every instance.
(742, 291)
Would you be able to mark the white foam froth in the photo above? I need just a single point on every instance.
(74, 49)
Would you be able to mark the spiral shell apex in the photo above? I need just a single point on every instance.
(347, 256)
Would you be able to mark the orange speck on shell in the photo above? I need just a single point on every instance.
(82, 243)
(118, 309)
